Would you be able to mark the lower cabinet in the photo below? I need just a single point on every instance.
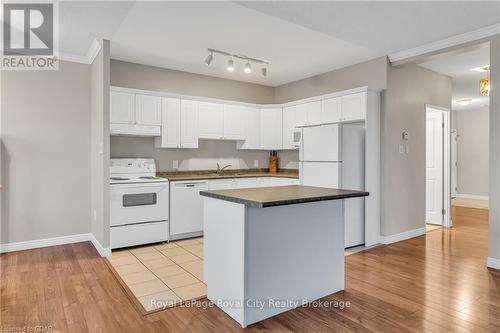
(186, 203)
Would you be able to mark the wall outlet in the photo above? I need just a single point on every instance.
(175, 164)
(256, 163)
(401, 149)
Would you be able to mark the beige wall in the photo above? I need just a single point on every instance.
(494, 218)
(130, 75)
(472, 151)
(99, 143)
(372, 73)
(45, 153)
(409, 88)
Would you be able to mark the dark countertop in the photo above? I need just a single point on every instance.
(282, 195)
(211, 174)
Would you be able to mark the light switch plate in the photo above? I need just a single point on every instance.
(401, 149)
(175, 164)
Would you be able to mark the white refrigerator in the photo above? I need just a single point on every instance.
(334, 156)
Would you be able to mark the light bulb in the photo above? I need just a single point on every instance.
(248, 68)
(230, 65)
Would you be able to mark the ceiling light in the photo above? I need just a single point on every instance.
(264, 71)
(209, 59)
(248, 68)
(482, 69)
(230, 65)
(464, 102)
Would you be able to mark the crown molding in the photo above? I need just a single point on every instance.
(92, 52)
(446, 43)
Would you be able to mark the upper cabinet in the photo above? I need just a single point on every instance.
(122, 108)
(308, 114)
(189, 124)
(271, 122)
(171, 124)
(211, 120)
(354, 106)
(251, 128)
(234, 122)
(330, 110)
(289, 127)
(148, 110)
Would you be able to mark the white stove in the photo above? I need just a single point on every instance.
(139, 203)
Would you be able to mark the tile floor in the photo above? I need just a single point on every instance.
(162, 275)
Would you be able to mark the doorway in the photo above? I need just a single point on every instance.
(438, 166)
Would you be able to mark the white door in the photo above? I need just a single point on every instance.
(233, 122)
(171, 123)
(271, 128)
(211, 120)
(251, 128)
(454, 163)
(189, 124)
(122, 108)
(321, 143)
(147, 110)
(321, 174)
(313, 113)
(300, 115)
(354, 106)
(288, 128)
(434, 167)
(330, 111)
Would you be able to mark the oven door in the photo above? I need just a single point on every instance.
(138, 203)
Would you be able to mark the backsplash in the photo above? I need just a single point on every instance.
(206, 157)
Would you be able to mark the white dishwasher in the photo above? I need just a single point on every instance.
(186, 209)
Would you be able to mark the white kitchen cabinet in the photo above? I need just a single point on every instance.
(354, 106)
(220, 184)
(308, 114)
(234, 122)
(186, 208)
(289, 128)
(271, 126)
(147, 110)
(189, 124)
(211, 120)
(331, 111)
(279, 181)
(122, 107)
(170, 124)
(251, 129)
(245, 182)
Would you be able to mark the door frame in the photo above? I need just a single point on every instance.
(447, 222)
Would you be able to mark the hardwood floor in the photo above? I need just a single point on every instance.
(433, 283)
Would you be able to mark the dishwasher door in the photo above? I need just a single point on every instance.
(186, 209)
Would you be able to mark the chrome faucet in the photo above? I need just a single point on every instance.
(219, 169)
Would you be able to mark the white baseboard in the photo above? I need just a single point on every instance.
(472, 196)
(38, 243)
(493, 263)
(402, 236)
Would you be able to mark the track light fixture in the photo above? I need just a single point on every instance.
(209, 59)
(230, 63)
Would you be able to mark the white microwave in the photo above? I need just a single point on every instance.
(297, 138)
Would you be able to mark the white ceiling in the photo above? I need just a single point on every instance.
(458, 65)
(300, 39)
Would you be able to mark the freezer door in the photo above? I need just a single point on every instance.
(321, 144)
(321, 174)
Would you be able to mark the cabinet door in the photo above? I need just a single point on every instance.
(222, 184)
(251, 128)
(211, 120)
(186, 207)
(147, 110)
(330, 111)
(271, 128)
(122, 108)
(288, 127)
(245, 182)
(313, 112)
(354, 106)
(300, 115)
(233, 122)
(170, 123)
(189, 124)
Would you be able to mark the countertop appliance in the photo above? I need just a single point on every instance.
(139, 203)
(333, 156)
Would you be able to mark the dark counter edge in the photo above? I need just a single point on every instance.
(257, 204)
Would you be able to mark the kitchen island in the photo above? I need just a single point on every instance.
(272, 249)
